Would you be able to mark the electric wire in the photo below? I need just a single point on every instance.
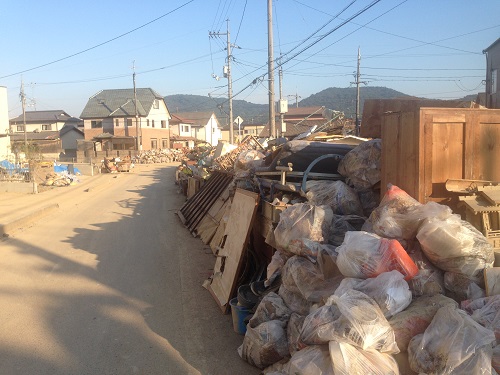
(101, 44)
(355, 15)
(241, 21)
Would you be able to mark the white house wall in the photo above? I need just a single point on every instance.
(5, 151)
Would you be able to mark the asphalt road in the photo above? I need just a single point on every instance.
(110, 283)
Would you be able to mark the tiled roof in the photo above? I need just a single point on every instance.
(196, 118)
(45, 116)
(120, 103)
(67, 128)
(175, 120)
(304, 111)
(45, 135)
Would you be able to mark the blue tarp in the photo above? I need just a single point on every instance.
(64, 168)
(12, 168)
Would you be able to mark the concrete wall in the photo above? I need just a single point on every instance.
(5, 150)
(18, 187)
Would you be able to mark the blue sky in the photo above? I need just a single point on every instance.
(65, 52)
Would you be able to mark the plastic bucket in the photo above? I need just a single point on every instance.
(239, 313)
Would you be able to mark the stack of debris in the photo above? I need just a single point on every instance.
(114, 165)
(354, 286)
(158, 156)
(60, 179)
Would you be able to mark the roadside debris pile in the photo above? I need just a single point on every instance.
(157, 156)
(201, 162)
(60, 179)
(324, 278)
(115, 165)
(392, 287)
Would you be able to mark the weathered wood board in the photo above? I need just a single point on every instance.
(227, 267)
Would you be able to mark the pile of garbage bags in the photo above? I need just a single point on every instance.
(398, 292)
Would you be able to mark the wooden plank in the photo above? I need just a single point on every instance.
(216, 240)
(227, 267)
(212, 217)
(408, 151)
(390, 148)
(208, 226)
(469, 145)
(477, 204)
(491, 194)
(488, 151)
(374, 111)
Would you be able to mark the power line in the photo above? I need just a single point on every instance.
(100, 44)
(241, 21)
(260, 78)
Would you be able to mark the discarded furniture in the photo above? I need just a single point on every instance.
(423, 148)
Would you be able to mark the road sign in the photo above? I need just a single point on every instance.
(238, 120)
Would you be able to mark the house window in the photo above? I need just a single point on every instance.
(164, 143)
(494, 81)
(20, 128)
(156, 104)
(117, 122)
(129, 122)
(154, 143)
(163, 124)
(185, 128)
(152, 123)
(46, 127)
(147, 122)
(95, 124)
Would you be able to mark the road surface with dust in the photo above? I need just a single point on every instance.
(110, 283)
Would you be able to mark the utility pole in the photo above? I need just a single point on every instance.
(270, 67)
(296, 96)
(137, 126)
(357, 82)
(282, 115)
(227, 73)
(23, 104)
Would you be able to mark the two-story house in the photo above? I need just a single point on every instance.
(180, 132)
(204, 126)
(121, 120)
(43, 121)
(492, 69)
(42, 130)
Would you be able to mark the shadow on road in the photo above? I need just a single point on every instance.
(129, 298)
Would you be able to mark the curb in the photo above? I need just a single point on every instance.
(23, 220)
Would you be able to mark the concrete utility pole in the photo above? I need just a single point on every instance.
(296, 96)
(282, 115)
(23, 104)
(137, 127)
(357, 82)
(270, 67)
(227, 73)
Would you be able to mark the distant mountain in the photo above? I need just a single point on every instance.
(344, 99)
(339, 99)
(250, 112)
